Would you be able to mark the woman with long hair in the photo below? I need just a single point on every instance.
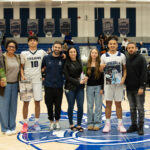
(74, 87)
(94, 91)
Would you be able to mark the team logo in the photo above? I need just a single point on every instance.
(88, 139)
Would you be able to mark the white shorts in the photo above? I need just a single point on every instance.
(37, 91)
(114, 92)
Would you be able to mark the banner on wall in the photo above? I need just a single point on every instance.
(2, 26)
(123, 26)
(108, 26)
(65, 25)
(15, 26)
(33, 25)
(49, 26)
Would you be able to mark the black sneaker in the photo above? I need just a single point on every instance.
(132, 128)
(140, 130)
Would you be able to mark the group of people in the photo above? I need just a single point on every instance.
(104, 75)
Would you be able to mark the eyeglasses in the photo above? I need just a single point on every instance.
(12, 47)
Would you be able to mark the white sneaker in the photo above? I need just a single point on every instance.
(51, 127)
(121, 128)
(107, 127)
(8, 132)
(13, 132)
(57, 126)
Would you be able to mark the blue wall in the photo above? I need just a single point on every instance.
(24, 16)
(40, 15)
(73, 14)
(8, 14)
(98, 23)
(131, 14)
(115, 14)
(56, 14)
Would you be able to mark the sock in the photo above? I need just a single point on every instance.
(107, 120)
(25, 121)
(119, 121)
(36, 119)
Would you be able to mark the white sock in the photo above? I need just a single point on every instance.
(25, 121)
(119, 121)
(107, 120)
(36, 119)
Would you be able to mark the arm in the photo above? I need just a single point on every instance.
(124, 74)
(22, 72)
(143, 76)
(68, 77)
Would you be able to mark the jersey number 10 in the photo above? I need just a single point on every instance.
(34, 64)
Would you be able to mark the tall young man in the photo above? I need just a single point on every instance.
(113, 63)
(31, 61)
(135, 85)
(53, 65)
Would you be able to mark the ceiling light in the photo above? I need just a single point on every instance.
(20, 0)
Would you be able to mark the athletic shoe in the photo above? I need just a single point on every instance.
(13, 132)
(57, 126)
(121, 128)
(24, 128)
(37, 126)
(8, 132)
(51, 127)
(107, 128)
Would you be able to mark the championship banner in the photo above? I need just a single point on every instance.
(65, 25)
(15, 26)
(49, 26)
(123, 26)
(33, 25)
(2, 26)
(108, 26)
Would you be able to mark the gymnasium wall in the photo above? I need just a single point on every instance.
(89, 25)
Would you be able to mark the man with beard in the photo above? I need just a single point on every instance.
(53, 66)
(135, 85)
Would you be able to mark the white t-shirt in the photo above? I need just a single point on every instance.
(113, 69)
(32, 64)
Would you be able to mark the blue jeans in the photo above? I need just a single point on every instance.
(77, 95)
(8, 105)
(94, 97)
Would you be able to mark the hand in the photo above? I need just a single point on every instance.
(23, 78)
(82, 81)
(3, 82)
(63, 56)
(102, 66)
(101, 92)
(86, 78)
(122, 80)
(140, 91)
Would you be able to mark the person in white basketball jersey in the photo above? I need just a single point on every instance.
(113, 63)
(31, 70)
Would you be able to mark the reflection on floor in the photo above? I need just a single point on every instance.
(88, 140)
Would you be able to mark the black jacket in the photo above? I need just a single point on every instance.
(136, 72)
(72, 71)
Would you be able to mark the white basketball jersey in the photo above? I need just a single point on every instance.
(32, 64)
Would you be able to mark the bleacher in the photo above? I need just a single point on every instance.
(22, 47)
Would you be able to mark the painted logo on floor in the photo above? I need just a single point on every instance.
(88, 139)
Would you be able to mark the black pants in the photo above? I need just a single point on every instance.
(53, 97)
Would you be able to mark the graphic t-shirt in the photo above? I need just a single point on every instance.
(113, 69)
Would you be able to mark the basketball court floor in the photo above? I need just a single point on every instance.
(66, 139)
